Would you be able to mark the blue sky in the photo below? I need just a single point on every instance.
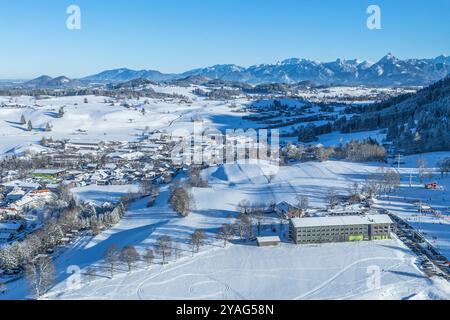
(177, 35)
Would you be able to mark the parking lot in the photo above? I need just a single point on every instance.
(430, 260)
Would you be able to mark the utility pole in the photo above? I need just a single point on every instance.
(420, 217)
(399, 158)
(410, 179)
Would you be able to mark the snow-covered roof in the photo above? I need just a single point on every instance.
(284, 206)
(49, 171)
(341, 221)
(85, 142)
(16, 192)
(21, 184)
(5, 235)
(268, 239)
(9, 226)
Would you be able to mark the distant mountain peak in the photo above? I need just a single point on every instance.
(388, 71)
(389, 58)
(47, 81)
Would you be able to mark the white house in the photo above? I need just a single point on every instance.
(15, 195)
(35, 199)
(283, 208)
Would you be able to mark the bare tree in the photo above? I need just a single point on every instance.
(444, 166)
(225, 233)
(180, 200)
(130, 256)
(149, 256)
(195, 177)
(164, 247)
(40, 275)
(111, 257)
(176, 250)
(91, 273)
(2, 288)
(354, 193)
(258, 216)
(152, 191)
(244, 226)
(421, 164)
(323, 154)
(332, 198)
(371, 185)
(303, 202)
(244, 207)
(391, 180)
(430, 173)
(197, 240)
(295, 212)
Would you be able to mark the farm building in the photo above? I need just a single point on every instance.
(286, 210)
(85, 145)
(268, 241)
(25, 186)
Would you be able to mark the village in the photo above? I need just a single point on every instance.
(76, 163)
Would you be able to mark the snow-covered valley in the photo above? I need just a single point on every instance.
(241, 270)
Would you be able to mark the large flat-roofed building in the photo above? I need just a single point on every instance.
(340, 229)
(48, 173)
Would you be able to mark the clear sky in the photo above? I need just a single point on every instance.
(178, 35)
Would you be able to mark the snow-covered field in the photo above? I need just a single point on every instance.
(97, 120)
(101, 194)
(333, 271)
(402, 203)
(242, 270)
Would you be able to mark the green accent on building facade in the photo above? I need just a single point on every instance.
(359, 237)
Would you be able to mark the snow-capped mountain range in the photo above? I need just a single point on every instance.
(389, 71)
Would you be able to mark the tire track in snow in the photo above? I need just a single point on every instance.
(327, 282)
(166, 270)
(250, 181)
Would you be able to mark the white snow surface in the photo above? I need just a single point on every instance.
(241, 270)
